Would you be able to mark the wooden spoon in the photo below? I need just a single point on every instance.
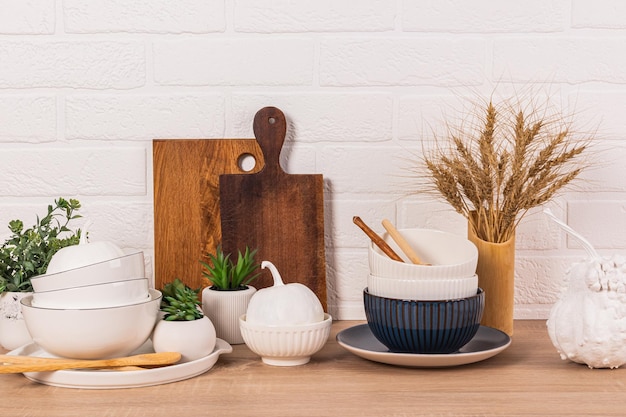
(10, 364)
(402, 243)
(378, 241)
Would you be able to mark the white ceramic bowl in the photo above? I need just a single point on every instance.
(449, 256)
(423, 289)
(119, 269)
(285, 345)
(92, 333)
(110, 294)
(83, 254)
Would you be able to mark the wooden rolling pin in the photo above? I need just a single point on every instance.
(402, 243)
(378, 241)
(10, 364)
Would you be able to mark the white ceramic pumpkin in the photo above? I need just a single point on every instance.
(284, 304)
(588, 323)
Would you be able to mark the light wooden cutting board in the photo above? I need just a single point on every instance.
(186, 202)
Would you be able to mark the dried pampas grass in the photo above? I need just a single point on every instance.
(510, 159)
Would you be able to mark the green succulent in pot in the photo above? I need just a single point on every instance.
(184, 328)
(224, 274)
(27, 252)
(180, 302)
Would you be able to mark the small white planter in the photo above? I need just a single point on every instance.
(13, 331)
(224, 309)
(194, 339)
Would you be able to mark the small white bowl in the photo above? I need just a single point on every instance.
(285, 345)
(110, 294)
(119, 269)
(449, 256)
(423, 289)
(83, 254)
(96, 333)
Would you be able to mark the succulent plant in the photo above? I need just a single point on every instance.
(180, 302)
(226, 275)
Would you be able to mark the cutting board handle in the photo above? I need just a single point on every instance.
(270, 128)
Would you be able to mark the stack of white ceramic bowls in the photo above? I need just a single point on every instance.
(429, 308)
(448, 270)
(93, 302)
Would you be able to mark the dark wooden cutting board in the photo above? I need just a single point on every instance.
(186, 201)
(280, 214)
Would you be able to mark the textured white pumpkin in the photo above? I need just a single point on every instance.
(284, 304)
(588, 323)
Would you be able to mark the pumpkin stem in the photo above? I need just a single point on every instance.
(278, 281)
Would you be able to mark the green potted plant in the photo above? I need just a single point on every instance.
(26, 253)
(183, 328)
(229, 292)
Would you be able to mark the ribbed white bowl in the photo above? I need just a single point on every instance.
(423, 289)
(449, 256)
(285, 345)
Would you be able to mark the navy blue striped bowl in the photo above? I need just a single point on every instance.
(413, 326)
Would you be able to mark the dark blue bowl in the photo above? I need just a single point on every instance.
(413, 326)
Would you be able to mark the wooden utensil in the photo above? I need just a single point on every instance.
(378, 241)
(402, 243)
(280, 214)
(186, 201)
(18, 364)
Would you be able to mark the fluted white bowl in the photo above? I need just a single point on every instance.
(423, 289)
(110, 294)
(449, 256)
(286, 345)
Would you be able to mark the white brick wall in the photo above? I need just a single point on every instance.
(85, 85)
(27, 17)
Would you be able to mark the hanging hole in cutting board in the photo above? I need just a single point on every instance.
(271, 120)
(246, 162)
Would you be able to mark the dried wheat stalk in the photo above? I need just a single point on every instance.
(510, 161)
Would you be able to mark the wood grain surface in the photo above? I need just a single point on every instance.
(280, 214)
(527, 379)
(186, 202)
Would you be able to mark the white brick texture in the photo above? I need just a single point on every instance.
(598, 14)
(81, 64)
(320, 16)
(144, 16)
(73, 171)
(366, 85)
(27, 17)
(401, 61)
(144, 117)
(31, 118)
(482, 16)
(566, 60)
(311, 114)
(251, 61)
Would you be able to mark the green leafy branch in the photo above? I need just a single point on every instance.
(27, 252)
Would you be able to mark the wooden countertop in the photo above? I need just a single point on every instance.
(528, 378)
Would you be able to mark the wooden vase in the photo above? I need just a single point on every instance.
(495, 270)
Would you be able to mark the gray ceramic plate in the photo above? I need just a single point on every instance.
(359, 340)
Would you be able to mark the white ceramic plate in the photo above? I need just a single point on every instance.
(110, 379)
(359, 340)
